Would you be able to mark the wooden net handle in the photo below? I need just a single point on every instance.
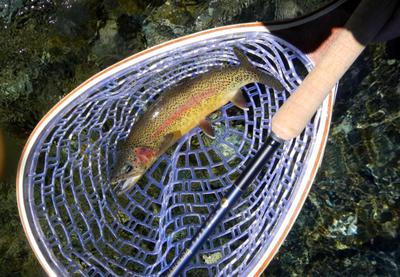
(366, 21)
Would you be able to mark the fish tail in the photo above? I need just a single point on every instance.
(270, 81)
(244, 61)
(261, 76)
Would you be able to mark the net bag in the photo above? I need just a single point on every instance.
(77, 225)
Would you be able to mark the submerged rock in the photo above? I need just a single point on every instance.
(287, 9)
(8, 8)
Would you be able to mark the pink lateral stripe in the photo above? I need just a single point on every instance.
(184, 108)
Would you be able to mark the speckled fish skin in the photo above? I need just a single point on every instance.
(179, 110)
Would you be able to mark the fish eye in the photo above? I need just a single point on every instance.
(127, 168)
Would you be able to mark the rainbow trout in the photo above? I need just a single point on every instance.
(179, 110)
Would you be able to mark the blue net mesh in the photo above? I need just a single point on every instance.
(84, 228)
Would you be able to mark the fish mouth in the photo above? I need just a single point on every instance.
(123, 187)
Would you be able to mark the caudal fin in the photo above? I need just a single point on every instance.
(270, 81)
(244, 61)
(262, 76)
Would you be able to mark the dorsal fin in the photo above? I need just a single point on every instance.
(244, 61)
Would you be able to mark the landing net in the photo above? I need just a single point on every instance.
(82, 227)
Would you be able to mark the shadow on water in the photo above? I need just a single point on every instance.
(2, 154)
(10, 151)
(16, 257)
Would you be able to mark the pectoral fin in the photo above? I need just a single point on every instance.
(168, 140)
(239, 101)
(205, 125)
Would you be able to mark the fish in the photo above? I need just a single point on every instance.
(179, 110)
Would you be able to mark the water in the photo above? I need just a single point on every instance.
(49, 47)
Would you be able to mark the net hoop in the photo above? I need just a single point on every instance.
(302, 189)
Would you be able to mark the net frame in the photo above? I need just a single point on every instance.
(316, 137)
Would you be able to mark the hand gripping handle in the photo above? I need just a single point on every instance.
(365, 23)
